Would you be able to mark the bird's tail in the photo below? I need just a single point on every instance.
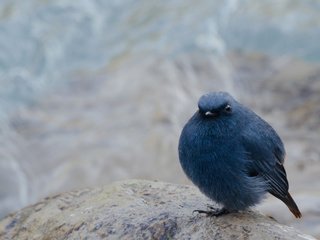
(288, 200)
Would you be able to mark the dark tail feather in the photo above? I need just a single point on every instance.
(288, 200)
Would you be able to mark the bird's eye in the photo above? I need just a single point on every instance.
(228, 108)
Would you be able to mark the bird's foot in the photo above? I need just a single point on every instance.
(213, 212)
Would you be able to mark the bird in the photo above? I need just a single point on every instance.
(233, 156)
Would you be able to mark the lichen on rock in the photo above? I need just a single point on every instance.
(136, 209)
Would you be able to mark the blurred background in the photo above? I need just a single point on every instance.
(94, 91)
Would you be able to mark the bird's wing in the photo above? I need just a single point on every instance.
(266, 154)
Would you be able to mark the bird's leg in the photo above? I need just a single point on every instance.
(213, 212)
(212, 208)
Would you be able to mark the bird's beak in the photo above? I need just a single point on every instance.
(211, 114)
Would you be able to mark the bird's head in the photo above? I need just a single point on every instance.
(215, 105)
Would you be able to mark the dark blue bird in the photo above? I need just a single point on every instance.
(233, 156)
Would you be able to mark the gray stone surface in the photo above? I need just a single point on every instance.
(137, 209)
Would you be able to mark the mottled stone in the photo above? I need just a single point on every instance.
(137, 209)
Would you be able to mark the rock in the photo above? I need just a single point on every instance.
(136, 209)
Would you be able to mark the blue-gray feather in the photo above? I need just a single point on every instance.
(233, 155)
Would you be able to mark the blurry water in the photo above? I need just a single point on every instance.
(49, 46)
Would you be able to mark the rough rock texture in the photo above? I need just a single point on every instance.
(136, 209)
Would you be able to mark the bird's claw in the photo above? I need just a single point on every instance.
(213, 212)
